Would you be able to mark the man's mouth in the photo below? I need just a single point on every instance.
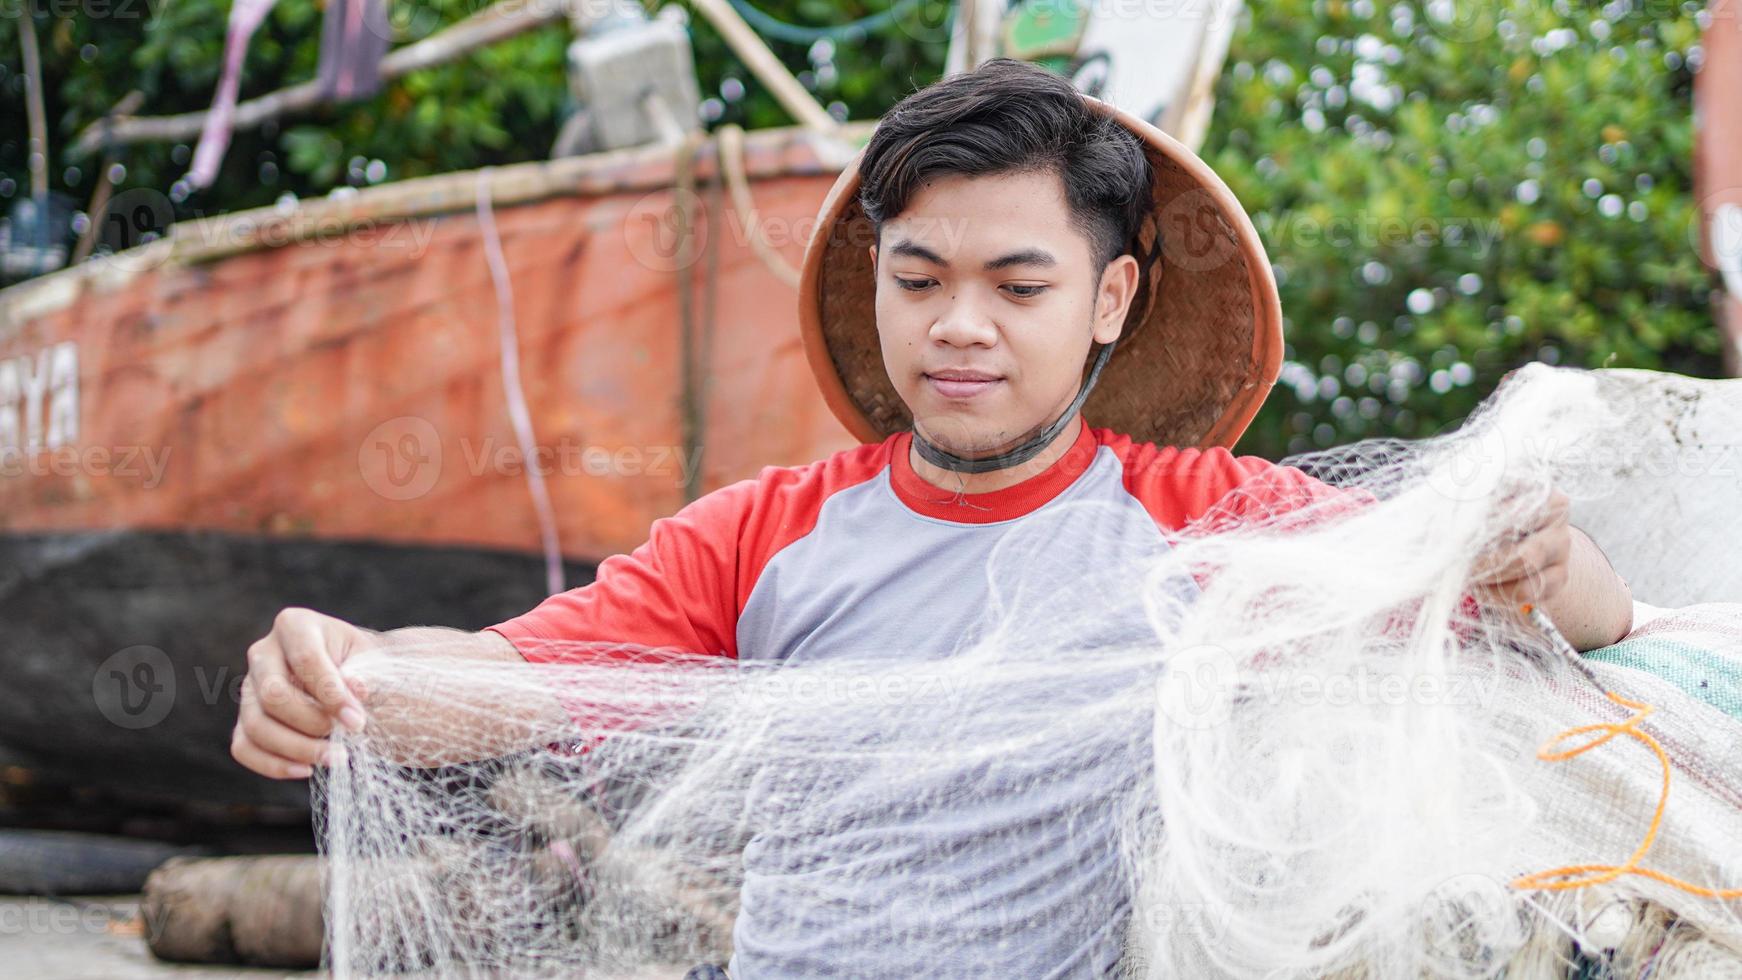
(962, 384)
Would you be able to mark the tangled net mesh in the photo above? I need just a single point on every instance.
(1279, 746)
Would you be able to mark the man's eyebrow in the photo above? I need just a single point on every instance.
(1025, 256)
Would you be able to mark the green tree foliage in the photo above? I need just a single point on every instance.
(1450, 189)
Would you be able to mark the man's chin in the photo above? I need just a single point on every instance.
(969, 439)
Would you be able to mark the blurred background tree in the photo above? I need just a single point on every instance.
(1448, 188)
(1451, 190)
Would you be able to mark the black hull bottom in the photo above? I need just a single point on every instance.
(121, 653)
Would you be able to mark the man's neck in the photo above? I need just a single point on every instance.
(956, 482)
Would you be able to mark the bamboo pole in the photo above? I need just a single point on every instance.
(37, 153)
(765, 66)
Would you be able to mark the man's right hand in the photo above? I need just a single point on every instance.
(294, 695)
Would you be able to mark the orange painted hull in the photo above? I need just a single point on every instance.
(351, 387)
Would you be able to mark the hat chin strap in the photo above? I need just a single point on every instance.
(938, 456)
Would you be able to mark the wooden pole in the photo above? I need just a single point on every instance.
(99, 206)
(37, 153)
(765, 66)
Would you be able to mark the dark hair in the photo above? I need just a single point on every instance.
(1011, 117)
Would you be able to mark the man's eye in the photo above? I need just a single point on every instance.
(1026, 292)
(912, 285)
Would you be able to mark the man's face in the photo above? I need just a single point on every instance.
(987, 304)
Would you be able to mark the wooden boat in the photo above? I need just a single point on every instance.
(307, 406)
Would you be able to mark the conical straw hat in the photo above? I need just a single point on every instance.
(1202, 343)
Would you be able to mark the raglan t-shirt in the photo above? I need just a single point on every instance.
(856, 555)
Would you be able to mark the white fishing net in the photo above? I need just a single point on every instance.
(1282, 747)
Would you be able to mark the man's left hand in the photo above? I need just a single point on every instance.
(1531, 566)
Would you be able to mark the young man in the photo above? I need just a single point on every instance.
(991, 260)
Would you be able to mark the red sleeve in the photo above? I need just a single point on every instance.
(1211, 488)
(682, 591)
(677, 593)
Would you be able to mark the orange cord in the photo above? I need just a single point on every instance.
(1585, 875)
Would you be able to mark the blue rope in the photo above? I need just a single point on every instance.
(853, 30)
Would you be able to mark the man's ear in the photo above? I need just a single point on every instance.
(1113, 298)
(873, 250)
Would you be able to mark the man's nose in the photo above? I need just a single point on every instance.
(965, 321)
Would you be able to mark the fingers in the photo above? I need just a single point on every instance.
(280, 740)
(1536, 566)
(1525, 558)
(243, 750)
(1540, 585)
(313, 646)
(1553, 512)
(277, 697)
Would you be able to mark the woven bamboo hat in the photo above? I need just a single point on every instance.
(1202, 343)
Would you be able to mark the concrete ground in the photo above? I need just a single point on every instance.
(102, 938)
(94, 938)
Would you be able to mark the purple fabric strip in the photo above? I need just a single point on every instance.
(245, 17)
(354, 37)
